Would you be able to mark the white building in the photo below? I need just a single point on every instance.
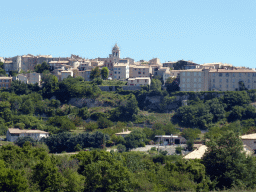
(121, 71)
(13, 134)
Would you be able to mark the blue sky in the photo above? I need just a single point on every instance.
(202, 30)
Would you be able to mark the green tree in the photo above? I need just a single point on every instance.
(121, 148)
(95, 73)
(40, 68)
(46, 174)
(104, 73)
(227, 164)
(12, 180)
(50, 85)
(155, 85)
(172, 84)
(135, 139)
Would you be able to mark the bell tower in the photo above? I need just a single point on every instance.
(116, 53)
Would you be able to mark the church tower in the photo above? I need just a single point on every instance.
(115, 53)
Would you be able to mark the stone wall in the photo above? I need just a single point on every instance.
(114, 88)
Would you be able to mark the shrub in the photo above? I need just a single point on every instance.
(121, 148)
(90, 126)
(178, 150)
(104, 122)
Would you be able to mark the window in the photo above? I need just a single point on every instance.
(226, 80)
(227, 75)
(118, 72)
(194, 85)
(199, 80)
(213, 74)
(220, 86)
(115, 72)
(146, 80)
(233, 80)
(195, 74)
(240, 74)
(220, 74)
(194, 79)
(248, 80)
(227, 86)
(138, 81)
(182, 80)
(188, 73)
(249, 75)
(233, 86)
(220, 80)
(213, 80)
(248, 86)
(213, 86)
(188, 80)
(199, 74)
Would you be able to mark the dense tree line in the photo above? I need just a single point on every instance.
(31, 168)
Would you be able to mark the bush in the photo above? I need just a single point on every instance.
(121, 148)
(153, 149)
(22, 140)
(90, 126)
(178, 150)
(104, 122)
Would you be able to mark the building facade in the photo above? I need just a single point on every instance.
(13, 134)
(139, 81)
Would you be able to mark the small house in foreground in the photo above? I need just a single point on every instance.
(170, 139)
(249, 140)
(13, 134)
(124, 133)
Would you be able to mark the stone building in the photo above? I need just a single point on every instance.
(5, 82)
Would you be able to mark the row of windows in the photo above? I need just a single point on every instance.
(195, 73)
(189, 79)
(233, 74)
(220, 86)
(4, 85)
(195, 85)
(233, 80)
(4, 80)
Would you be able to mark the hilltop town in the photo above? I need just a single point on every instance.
(115, 124)
(188, 75)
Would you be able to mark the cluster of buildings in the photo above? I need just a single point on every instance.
(191, 76)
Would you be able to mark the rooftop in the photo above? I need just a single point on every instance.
(250, 136)
(18, 131)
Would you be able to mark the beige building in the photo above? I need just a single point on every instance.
(228, 80)
(216, 79)
(121, 71)
(139, 81)
(65, 74)
(194, 80)
(30, 78)
(34, 78)
(5, 82)
(140, 71)
(85, 74)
